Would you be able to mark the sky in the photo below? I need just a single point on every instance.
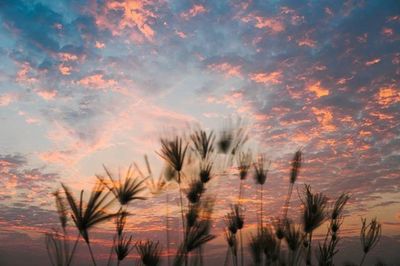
(86, 83)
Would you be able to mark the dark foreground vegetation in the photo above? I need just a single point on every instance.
(277, 240)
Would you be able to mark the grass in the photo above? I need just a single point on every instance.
(191, 163)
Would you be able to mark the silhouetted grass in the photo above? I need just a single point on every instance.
(191, 162)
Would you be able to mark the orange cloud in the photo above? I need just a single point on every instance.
(194, 11)
(324, 117)
(388, 95)
(136, 14)
(97, 81)
(100, 45)
(64, 70)
(318, 89)
(227, 68)
(267, 78)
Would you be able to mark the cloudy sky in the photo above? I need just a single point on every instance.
(88, 82)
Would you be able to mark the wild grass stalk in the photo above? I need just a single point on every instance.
(260, 176)
(328, 249)
(92, 214)
(174, 152)
(314, 205)
(294, 238)
(294, 173)
(369, 236)
(149, 252)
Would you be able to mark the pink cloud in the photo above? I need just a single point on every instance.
(136, 15)
(47, 94)
(181, 34)
(7, 98)
(306, 42)
(273, 24)
(226, 68)
(372, 62)
(100, 45)
(25, 75)
(64, 70)
(193, 11)
(70, 148)
(388, 32)
(267, 78)
(67, 57)
(97, 81)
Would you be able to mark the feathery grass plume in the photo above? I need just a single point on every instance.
(294, 238)
(174, 152)
(126, 190)
(232, 138)
(256, 246)
(270, 244)
(327, 250)
(55, 248)
(120, 221)
(149, 252)
(279, 227)
(61, 209)
(239, 140)
(260, 176)
(231, 222)
(158, 186)
(123, 247)
(232, 247)
(314, 214)
(237, 218)
(339, 206)
(192, 215)
(205, 171)
(198, 235)
(195, 237)
(294, 173)
(170, 173)
(93, 213)
(296, 164)
(195, 190)
(203, 143)
(225, 141)
(244, 161)
(62, 212)
(369, 235)
(154, 186)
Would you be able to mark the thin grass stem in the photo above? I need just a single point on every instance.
(167, 227)
(73, 250)
(91, 253)
(362, 259)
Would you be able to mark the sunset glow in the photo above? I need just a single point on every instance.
(87, 83)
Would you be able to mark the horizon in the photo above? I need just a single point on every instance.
(87, 83)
